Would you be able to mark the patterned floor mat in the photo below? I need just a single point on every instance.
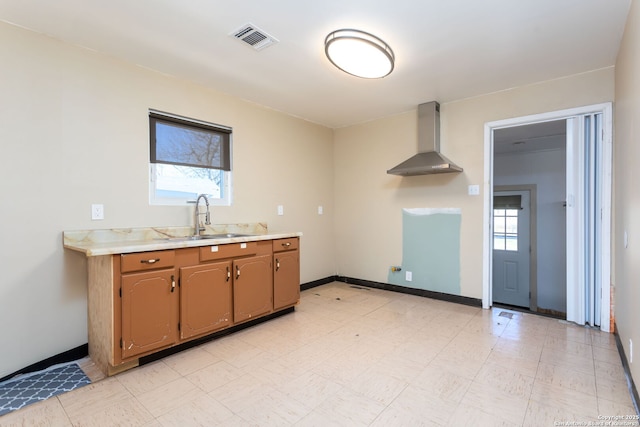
(34, 387)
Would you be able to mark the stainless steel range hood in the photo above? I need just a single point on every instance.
(428, 160)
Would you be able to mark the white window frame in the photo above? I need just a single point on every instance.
(505, 234)
(226, 188)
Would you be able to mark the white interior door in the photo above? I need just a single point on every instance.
(512, 247)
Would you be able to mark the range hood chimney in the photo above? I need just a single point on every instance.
(428, 160)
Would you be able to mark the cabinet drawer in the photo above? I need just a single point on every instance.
(289, 244)
(208, 253)
(146, 261)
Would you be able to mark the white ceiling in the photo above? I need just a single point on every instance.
(541, 136)
(445, 50)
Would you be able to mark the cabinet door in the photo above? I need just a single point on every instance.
(252, 287)
(205, 298)
(286, 279)
(149, 311)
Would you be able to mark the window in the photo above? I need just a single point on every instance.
(505, 222)
(188, 157)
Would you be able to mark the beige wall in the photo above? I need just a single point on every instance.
(369, 202)
(626, 193)
(74, 131)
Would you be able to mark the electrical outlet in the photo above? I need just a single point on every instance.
(280, 210)
(320, 210)
(408, 276)
(97, 212)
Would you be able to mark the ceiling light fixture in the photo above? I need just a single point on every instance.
(360, 54)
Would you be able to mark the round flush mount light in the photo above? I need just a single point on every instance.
(358, 53)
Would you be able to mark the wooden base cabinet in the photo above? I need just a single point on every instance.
(252, 288)
(141, 303)
(286, 273)
(205, 298)
(148, 306)
(149, 312)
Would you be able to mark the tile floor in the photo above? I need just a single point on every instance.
(352, 356)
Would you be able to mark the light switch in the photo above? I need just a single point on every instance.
(474, 190)
(280, 210)
(320, 210)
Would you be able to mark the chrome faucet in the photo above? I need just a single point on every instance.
(207, 215)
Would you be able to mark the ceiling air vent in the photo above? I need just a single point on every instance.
(254, 36)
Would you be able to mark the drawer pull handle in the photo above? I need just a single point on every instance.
(287, 244)
(277, 264)
(149, 261)
(228, 273)
(173, 283)
(237, 272)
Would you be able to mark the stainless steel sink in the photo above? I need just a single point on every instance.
(224, 235)
(208, 237)
(183, 238)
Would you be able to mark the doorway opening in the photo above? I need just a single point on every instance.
(533, 157)
(566, 157)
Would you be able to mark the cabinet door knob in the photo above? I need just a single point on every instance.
(237, 272)
(173, 283)
(287, 244)
(228, 273)
(277, 264)
(149, 261)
